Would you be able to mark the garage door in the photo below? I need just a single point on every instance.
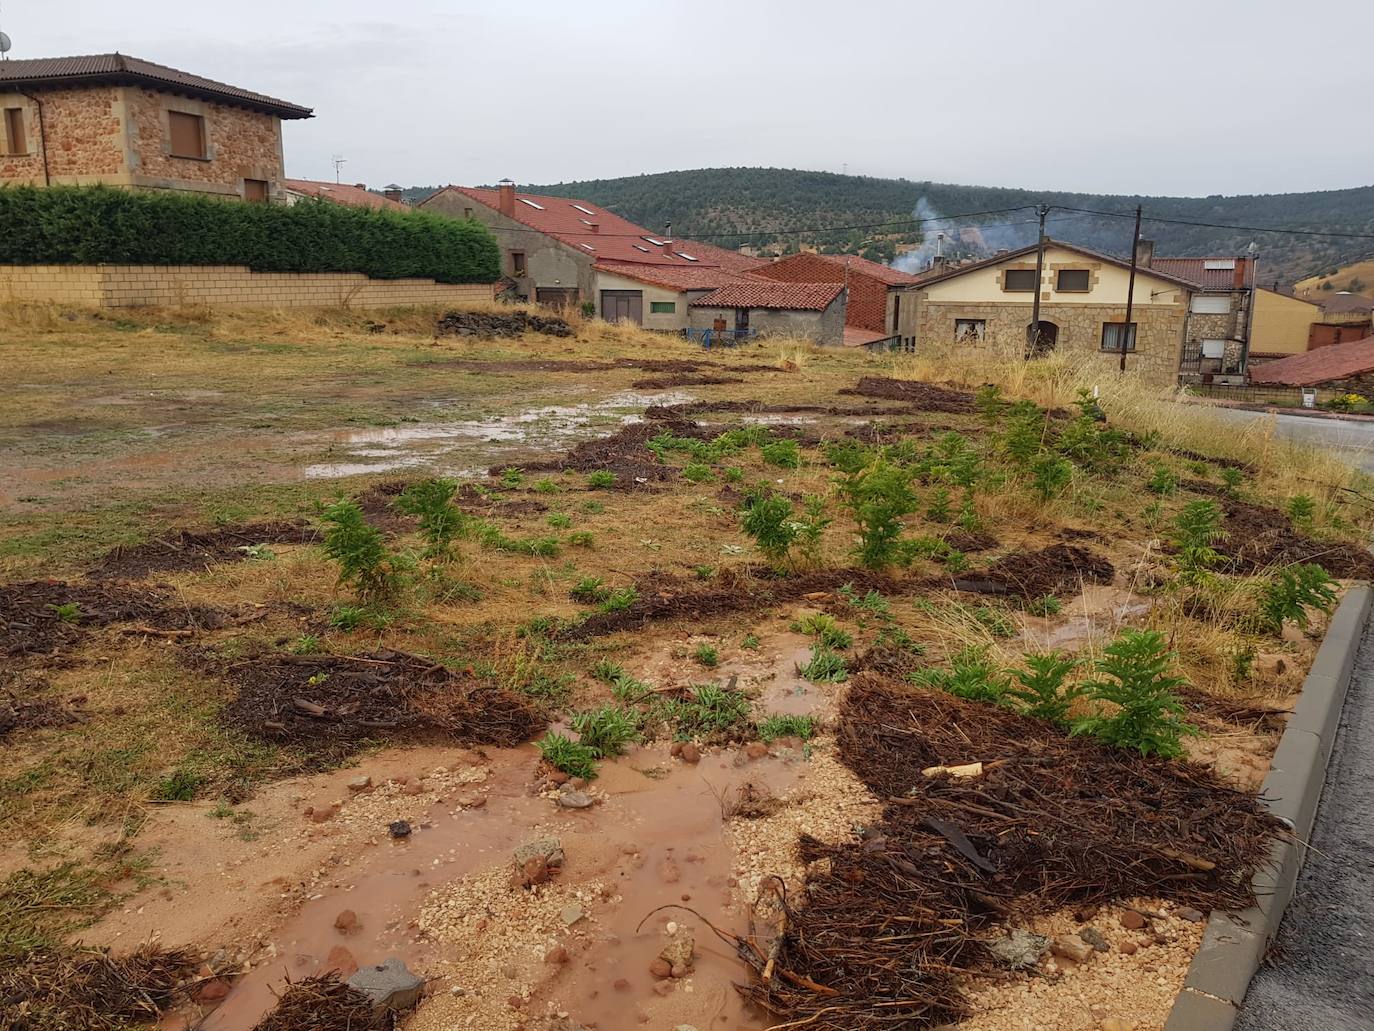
(622, 306)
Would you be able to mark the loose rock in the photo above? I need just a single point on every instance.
(1094, 938)
(1018, 949)
(390, 985)
(360, 783)
(556, 956)
(1191, 915)
(346, 921)
(1071, 946)
(690, 754)
(575, 800)
(571, 915)
(399, 828)
(1131, 920)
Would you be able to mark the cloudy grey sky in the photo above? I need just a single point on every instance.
(1195, 97)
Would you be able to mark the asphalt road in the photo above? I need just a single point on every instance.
(1353, 441)
(1320, 976)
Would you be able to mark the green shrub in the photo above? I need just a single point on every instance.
(769, 520)
(547, 486)
(1196, 528)
(92, 225)
(601, 479)
(696, 472)
(1302, 510)
(1139, 680)
(937, 505)
(347, 617)
(1050, 474)
(67, 611)
(572, 757)
(848, 456)
(440, 521)
(1025, 433)
(971, 674)
(786, 725)
(733, 474)
(559, 520)
(824, 666)
(1162, 481)
(620, 599)
(783, 453)
(606, 731)
(1232, 478)
(878, 497)
(590, 590)
(1289, 592)
(1039, 688)
(364, 560)
(706, 655)
(989, 402)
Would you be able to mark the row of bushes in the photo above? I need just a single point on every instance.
(101, 225)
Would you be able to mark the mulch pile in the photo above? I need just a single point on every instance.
(752, 407)
(331, 705)
(1259, 538)
(18, 713)
(90, 991)
(890, 922)
(970, 541)
(684, 379)
(926, 397)
(324, 1004)
(624, 453)
(31, 624)
(508, 324)
(663, 596)
(185, 550)
(1058, 569)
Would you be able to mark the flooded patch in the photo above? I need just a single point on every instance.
(391, 448)
(1090, 620)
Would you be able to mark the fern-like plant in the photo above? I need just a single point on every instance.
(770, 520)
(440, 521)
(1039, 688)
(1287, 595)
(878, 497)
(365, 562)
(1196, 528)
(1137, 677)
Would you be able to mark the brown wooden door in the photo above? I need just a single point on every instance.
(622, 306)
(556, 296)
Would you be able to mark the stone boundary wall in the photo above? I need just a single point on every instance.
(223, 286)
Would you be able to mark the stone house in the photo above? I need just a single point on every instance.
(1219, 322)
(121, 121)
(987, 307)
(1347, 368)
(811, 311)
(560, 250)
(881, 305)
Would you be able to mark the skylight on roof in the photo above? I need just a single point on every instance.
(587, 246)
(641, 247)
(686, 256)
(531, 203)
(585, 222)
(1219, 264)
(585, 211)
(656, 243)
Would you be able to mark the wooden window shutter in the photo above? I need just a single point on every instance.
(187, 134)
(255, 191)
(14, 130)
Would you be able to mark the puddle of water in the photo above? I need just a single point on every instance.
(655, 838)
(405, 447)
(1095, 616)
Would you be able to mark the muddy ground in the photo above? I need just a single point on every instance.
(213, 742)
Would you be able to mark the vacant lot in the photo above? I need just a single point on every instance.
(331, 638)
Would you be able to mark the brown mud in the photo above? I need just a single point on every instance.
(623, 453)
(683, 380)
(1052, 821)
(1260, 538)
(185, 550)
(925, 397)
(330, 706)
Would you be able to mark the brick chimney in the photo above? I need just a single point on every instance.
(505, 197)
(1144, 253)
(668, 247)
(393, 192)
(1238, 278)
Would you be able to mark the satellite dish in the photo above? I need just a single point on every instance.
(4, 44)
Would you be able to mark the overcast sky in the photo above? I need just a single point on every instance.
(1195, 97)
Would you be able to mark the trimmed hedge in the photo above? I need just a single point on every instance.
(79, 225)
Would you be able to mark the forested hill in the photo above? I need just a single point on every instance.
(761, 201)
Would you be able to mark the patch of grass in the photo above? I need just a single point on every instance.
(971, 674)
(593, 507)
(306, 644)
(572, 757)
(67, 612)
(784, 453)
(697, 473)
(1047, 605)
(590, 590)
(601, 479)
(825, 629)
(559, 520)
(619, 599)
(607, 671)
(783, 725)
(180, 785)
(711, 709)
(706, 655)
(606, 731)
(580, 539)
(824, 666)
(512, 477)
(547, 486)
(750, 641)
(40, 908)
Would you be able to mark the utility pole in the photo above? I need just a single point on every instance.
(1033, 344)
(1130, 288)
(338, 160)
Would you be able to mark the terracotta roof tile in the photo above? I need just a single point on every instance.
(675, 277)
(1195, 270)
(1338, 361)
(344, 193)
(120, 69)
(769, 294)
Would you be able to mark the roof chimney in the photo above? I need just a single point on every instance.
(668, 247)
(593, 227)
(394, 192)
(505, 197)
(361, 186)
(1238, 278)
(1144, 253)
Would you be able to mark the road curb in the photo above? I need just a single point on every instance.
(1233, 944)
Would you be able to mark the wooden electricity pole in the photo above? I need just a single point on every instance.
(1033, 345)
(1130, 288)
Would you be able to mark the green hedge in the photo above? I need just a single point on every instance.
(70, 225)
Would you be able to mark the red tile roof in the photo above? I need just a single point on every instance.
(566, 219)
(857, 336)
(122, 70)
(675, 277)
(1195, 270)
(731, 261)
(884, 273)
(344, 193)
(790, 296)
(1341, 303)
(1338, 361)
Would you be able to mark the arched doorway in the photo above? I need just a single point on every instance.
(1039, 345)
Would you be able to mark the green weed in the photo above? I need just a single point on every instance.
(572, 757)
(606, 731)
(784, 725)
(824, 666)
(1138, 679)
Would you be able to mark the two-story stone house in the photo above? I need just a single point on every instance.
(117, 120)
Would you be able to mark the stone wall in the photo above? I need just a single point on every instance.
(868, 301)
(85, 136)
(1159, 334)
(227, 286)
(825, 327)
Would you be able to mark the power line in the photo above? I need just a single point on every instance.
(1218, 225)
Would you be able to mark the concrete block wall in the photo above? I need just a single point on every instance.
(227, 286)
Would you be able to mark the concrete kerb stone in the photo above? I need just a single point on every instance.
(1233, 944)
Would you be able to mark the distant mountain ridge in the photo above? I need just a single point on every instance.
(760, 202)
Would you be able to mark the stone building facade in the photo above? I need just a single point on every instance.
(881, 299)
(119, 121)
(987, 308)
(808, 311)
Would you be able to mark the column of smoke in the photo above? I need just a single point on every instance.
(968, 240)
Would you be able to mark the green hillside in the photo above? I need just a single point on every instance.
(706, 203)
